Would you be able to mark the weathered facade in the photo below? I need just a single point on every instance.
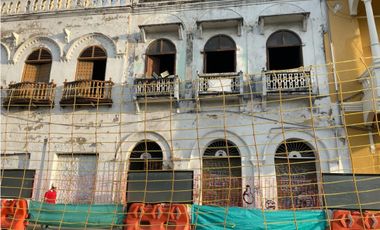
(246, 83)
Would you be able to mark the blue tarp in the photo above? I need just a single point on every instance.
(209, 217)
(76, 216)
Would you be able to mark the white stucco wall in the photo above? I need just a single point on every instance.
(113, 131)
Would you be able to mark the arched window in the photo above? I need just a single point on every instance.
(37, 66)
(221, 174)
(92, 64)
(160, 57)
(220, 55)
(284, 51)
(146, 155)
(297, 184)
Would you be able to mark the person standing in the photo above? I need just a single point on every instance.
(50, 198)
(51, 195)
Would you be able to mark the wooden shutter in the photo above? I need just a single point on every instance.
(84, 70)
(30, 73)
(43, 73)
(153, 65)
(149, 66)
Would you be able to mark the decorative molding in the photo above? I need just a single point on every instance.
(67, 34)
(93, 39)
(15, 39)
(36, 42)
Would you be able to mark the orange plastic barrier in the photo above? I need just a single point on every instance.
(179, 217)
(353, 220)
(157, 217)
(372, 220)
(14, 214)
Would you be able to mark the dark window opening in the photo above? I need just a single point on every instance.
(284, 50)
(92, 64)
(17, 183)
(161, 56)
(220, 55)
(146, 155)
(220, 62)
(161, 63)
(284, 58)
(37, 66)
(99, 70)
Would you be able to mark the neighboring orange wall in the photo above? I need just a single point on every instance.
(352, 51)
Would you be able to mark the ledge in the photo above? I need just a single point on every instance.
(284, 19)
(220, 23)
(175, 28)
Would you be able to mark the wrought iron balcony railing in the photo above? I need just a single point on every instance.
(30, 93)
(220, 83)
(151, 87)
(83, 92)
(288, 82)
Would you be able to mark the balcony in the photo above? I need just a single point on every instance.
(220, 83)
(287, 83)
(30, 93)
(155, 88)
(87, 92)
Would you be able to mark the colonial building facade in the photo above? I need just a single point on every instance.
(235, 91)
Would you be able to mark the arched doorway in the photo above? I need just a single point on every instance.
(296, 175)
(284, 51)
(220, 55)
(221, 174)
(146, 156)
